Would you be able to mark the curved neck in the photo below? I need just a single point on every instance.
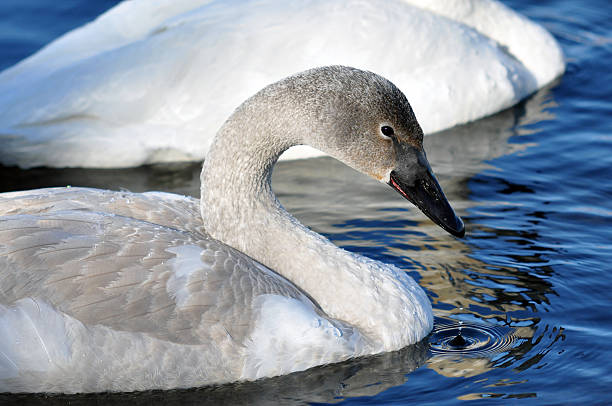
(238, 205)
(239, 209)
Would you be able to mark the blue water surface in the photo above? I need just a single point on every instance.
(534, 185)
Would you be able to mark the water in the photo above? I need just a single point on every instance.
(528, 288)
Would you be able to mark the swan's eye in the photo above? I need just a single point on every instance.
(387, 131)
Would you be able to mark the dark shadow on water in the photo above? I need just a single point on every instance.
(183, 178)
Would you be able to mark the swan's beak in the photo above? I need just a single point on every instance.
(414, 179)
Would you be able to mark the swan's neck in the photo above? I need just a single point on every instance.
(240, 209)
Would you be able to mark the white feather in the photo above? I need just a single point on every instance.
(34, 338)
(289, 335)
(186, 262)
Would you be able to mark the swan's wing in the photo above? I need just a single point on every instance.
(132, 275)
(166, 209)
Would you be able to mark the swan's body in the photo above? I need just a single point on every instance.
(152, 81)
(104, 290)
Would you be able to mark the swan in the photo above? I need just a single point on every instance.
(119, 291)
(151, 81)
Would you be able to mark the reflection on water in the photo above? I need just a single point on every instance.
(183, 178)
(367, 217)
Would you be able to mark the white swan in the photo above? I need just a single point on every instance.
(120, 291)
(151, 81)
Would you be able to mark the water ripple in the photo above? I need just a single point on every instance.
(450, 337)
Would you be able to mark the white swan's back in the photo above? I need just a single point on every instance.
(101, 285)
(152, 81)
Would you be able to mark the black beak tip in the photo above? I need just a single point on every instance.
(453, 226)
(459, 229)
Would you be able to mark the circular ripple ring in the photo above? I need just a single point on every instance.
(450, 337)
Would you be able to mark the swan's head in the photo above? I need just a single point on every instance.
(358, 117)
(366, 122)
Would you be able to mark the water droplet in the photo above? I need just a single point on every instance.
(470, 339)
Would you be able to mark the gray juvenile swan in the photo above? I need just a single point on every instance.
(117, 291)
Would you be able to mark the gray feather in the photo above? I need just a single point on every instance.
(112, 267)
